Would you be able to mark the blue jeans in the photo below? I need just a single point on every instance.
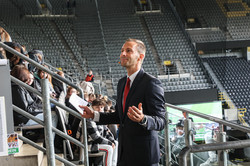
(54, 118)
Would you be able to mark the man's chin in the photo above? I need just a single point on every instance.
(123, 64)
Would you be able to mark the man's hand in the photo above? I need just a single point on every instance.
(135, 114)
(87, 112)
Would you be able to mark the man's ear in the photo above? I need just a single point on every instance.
(141, 57)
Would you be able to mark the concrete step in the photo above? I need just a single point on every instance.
(108, 82)
(58, 163)
(110, 92)
(28, 156)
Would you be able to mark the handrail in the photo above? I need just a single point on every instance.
(44, 150)
(211, 147)
(54, 68)
(54, 75)
(49, 140)
(41, 122)
(29, 88)
(60, 133)
(211, 118)
(207, 147)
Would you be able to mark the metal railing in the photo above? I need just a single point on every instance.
(184, 157)
(46, 109)
(57, 70)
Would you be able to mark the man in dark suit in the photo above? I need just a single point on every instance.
(140, 110)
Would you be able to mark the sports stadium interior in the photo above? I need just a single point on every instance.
(198, 49)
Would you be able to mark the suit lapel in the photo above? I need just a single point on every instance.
(132, 89)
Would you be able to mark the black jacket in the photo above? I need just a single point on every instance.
(58, 87)
(22, 99)
(72, 120)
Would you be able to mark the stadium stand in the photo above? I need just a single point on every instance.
(110, 45)
(231, 17)
(202, 10)
(87, 35)
(59, 7)
(233, 75)
(207, 35)
(90, 38)
(40, 34)
(168, 38)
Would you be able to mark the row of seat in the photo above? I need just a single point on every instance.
(227, 70)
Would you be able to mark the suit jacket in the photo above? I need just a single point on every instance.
(138, 145)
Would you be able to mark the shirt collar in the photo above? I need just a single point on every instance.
(132, 77)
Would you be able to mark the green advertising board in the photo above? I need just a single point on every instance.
(202, 126)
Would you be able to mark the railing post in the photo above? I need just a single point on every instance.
(222, 155)
(167, 143)
(188, 138)
(49, 140)
(84, 140)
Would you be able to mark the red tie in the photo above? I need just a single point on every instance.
(126, 90)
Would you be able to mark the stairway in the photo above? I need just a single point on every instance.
(109, 87)
(68, 50)
(27, 156)
(152, 46)
(58, 163)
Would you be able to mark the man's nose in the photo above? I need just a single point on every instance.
(123, 53)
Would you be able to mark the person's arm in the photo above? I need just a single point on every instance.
(100, 117)
(87, 112)
(154, 103)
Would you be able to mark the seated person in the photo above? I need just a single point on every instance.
(58, 85)
(91, 97)
(113, 127)
(43, 75)
(100, 137)
(178, 143)
(87, 87)
(36, 55)
(14, 59)
(4, 35)
(179, 139)
(211, 138)
(90, 77)
(22, 99)
(33, 83)
(73, 121)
